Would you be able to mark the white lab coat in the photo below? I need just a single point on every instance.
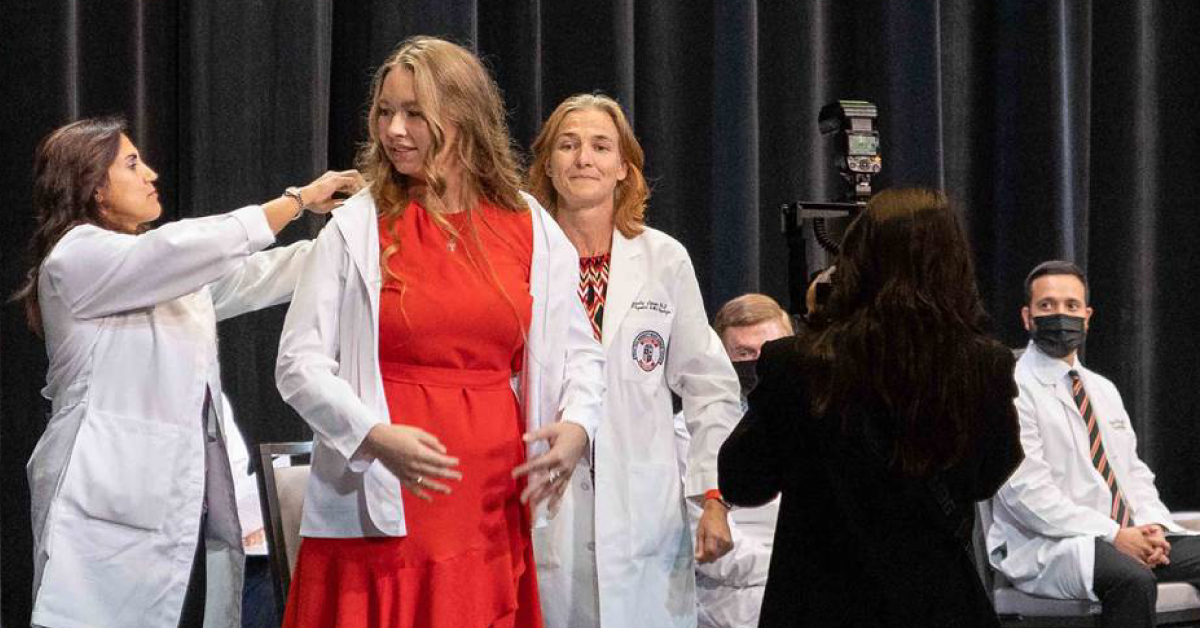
(117, 480)
(1047, 515)
(620, 554)
(328, 367)
(729, 590)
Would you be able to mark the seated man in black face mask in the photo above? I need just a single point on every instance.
(729, 590)
(1081, 518)
(744, 325)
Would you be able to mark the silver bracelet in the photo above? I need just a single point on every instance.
(294, 194)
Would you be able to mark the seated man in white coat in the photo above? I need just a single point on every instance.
(1081, 518)
(729, 590)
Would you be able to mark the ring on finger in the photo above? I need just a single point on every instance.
(419, 480)
(554, 475)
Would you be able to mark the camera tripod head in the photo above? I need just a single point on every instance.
(857, 160)
(858, 157)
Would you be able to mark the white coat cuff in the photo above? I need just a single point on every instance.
(1163, 519)
(1111, 535)
(258, 231)
(581, 419)
(698, 483)
(361, 458)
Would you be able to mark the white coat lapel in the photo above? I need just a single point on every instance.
(1076, 427)
(539, 275)
(359, 225)
(1062, 392)
(1052, 372)
(626, 274)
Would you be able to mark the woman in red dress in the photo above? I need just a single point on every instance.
(426, 337)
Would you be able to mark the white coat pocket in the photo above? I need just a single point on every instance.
(656, 502)
(122, 469)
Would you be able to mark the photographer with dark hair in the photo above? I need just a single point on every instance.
(881, 431)
(1081, 518)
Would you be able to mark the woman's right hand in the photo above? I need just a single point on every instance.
(414, 456)
(317, 197)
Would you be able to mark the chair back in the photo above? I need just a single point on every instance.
(281, 495)
(290, 483)
(983, 521)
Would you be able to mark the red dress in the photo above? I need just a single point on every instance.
(449, 340)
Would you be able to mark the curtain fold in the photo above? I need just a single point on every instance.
(1064, 129)
(734, 165)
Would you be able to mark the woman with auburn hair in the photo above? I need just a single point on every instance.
(130, 482)
(428, 333)
(881, 431)
(619, 552)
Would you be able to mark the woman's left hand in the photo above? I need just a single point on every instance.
(568, 442)
(713, 537)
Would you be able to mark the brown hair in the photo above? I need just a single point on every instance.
(69, 166)
(452, 88)
(631, 194)
(1054, 267)
(905, 332)
(750, 309)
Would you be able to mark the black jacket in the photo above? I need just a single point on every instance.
(857, 544)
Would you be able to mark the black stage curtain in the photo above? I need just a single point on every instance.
(1065, 129)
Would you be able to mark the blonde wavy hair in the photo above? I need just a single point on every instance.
(629, 199)
(452, 88)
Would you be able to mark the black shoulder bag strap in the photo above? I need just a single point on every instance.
(935, 496)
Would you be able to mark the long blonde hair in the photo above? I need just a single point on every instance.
(629, 203)
(452, 88)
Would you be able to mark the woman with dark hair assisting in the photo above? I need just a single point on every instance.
(881, 431)
(130, 483)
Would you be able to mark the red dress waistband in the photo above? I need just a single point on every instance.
(445, 377)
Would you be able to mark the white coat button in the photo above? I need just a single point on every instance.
(584, 485)
(591, 546)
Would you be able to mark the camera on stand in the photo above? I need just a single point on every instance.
(857, 160)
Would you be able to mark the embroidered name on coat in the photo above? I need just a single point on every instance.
(653, 306)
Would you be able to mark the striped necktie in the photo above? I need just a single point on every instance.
(1119, 510)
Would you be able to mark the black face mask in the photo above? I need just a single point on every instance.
(747, 375)
(1057, 335)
